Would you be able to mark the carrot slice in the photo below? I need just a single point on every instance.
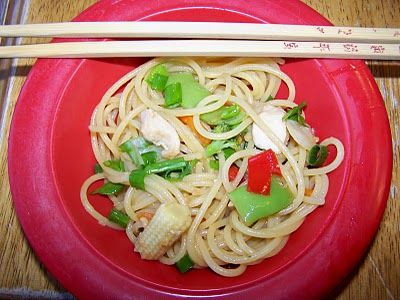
(145, 214)
(188, 120)
(308, 192)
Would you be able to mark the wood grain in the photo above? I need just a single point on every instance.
(377, 276)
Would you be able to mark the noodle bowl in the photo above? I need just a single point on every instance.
(218, 237)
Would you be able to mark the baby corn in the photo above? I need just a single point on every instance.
(169, 222)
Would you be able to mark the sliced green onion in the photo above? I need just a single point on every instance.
(143, 145)
(185, 171)
(317, 155)
(173, 95)
(137, 146)
(171, 165)
(214, 164)
(294, 114)
(184, 264)
(136, 179)
(117, 165)
(173, 169)
(109, 188)
(118, 217)
(129, 148)
(158, 77)
(98, 169)
(149, 157)
(230, 112)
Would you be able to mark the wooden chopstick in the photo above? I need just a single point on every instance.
(206, 30)
(149, 48)
(223, 39)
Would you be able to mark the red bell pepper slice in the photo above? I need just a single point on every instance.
(260, 170)
(233, 171)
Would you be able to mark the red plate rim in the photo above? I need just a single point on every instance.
(30, 166)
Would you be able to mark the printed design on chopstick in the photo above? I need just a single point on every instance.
(350, 47)
(290, 45)
(323, 47)
(378, 49)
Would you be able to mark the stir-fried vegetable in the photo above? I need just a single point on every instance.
(167, 166)
(232, 173)
(217, 146)
(317, 155)
(188, 120)
(118, 217)
(230, 112)
(109, 188)
(173, 95)
(252, 207)
(97, 168)
(192, 91)
(230, 115)
(117, 165)
(173, 169)
(158, 77)
(179, 174)
(170, 221)
(130, 148)
(181, 77)
(260, 170)
(228, 152)
(184, 264)
(223, 127)
(294, 114)
(138, 146)
(214, 164)
(308, 192)
(136, 179)
(149, 157)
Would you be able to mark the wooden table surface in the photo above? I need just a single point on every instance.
(22, 276)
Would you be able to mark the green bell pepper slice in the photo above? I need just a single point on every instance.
(252, 207)
(192, 91)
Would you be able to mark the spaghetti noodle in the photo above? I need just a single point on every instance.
(218, 236)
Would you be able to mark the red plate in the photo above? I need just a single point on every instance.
(50, 156)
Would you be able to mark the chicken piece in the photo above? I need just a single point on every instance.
(161, 133)
(272, 116)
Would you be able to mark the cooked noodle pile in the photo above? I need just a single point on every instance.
(217, 237)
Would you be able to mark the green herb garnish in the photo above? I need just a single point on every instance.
(294, 114)
(317, 155)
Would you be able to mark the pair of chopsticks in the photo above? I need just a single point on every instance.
(205, 39)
